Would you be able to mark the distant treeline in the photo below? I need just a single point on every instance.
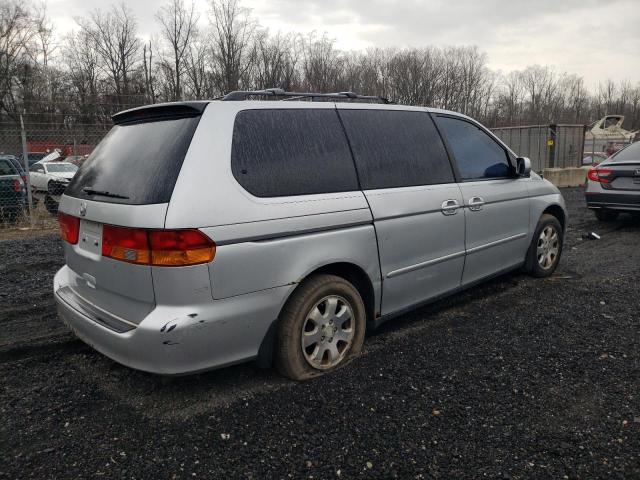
(105, 66)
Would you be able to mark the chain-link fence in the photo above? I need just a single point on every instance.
(30, 188)
(548, 146)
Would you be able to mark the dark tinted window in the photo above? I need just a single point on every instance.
(6, 168)
(477, 154)
(630, 153)
(396, 148)
(140, 161)
(291, 152)
(16, 164)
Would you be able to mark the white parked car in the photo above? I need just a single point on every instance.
(52, 177)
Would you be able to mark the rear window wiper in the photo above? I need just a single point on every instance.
(103, 193)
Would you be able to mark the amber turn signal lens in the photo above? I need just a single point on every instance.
(173, 248)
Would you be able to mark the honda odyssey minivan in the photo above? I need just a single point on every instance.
(203, 234)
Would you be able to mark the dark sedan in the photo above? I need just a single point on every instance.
(614, 185)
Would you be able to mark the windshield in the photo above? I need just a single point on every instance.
(629, 154)
(61, 167)
(136, 163)
(34, 157)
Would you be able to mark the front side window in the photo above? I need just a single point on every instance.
(477, 155)
(287, 152)
(395, 148)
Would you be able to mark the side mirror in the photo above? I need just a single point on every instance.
(523, 167)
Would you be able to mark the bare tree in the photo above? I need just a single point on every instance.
(322, 65)
(114, 37)
(16, 32)
(274, 61)
(178, 26)
(233, 31)
(148, 68)
(104, 67)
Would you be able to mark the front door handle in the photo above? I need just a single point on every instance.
(450, 207)
(476, 203)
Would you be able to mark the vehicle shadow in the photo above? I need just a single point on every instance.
(184, 396)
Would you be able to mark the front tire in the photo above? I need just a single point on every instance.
(546, 247)
(321, 327)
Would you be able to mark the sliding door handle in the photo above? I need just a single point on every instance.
(476, 204)
(450, 207)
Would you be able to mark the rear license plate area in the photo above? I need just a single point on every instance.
(90, 239)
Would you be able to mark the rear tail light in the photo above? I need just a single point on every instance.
(126, 244)
(17, 185)
(600, 175)
(69, 228)
(180, 247)
(168, 248)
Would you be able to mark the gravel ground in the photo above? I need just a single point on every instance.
(517, 378)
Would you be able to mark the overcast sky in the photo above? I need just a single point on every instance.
(597, 39)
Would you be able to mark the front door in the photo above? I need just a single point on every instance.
(409, 183)
(495, 200)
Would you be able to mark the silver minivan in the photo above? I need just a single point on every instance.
(203, 234)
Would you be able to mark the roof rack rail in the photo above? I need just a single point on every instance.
(279, 92)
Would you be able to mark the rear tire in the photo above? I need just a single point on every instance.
(326, 313)
(606, 215)
(546, 247)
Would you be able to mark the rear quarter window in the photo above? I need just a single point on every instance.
(288, 152)
(6, 168)
(140, 161)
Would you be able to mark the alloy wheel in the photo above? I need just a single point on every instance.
(327, 332)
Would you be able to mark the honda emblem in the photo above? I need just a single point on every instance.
(83, 209)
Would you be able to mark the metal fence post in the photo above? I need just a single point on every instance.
(551, 144)
(25, 161)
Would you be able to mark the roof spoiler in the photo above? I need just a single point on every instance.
(160, 111)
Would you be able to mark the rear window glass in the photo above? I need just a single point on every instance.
(396, 148)
(631, 153)
(291, 152)
(6, 168)
(139, 161)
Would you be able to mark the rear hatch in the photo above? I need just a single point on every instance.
(123, 187)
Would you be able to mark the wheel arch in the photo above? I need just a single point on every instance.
(558, 212)
(351, 272)
(355, 275)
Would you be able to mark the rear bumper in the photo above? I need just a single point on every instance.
(177, 340)
(613, 200)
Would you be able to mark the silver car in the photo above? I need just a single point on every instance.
(614, 185)
(203, 234)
